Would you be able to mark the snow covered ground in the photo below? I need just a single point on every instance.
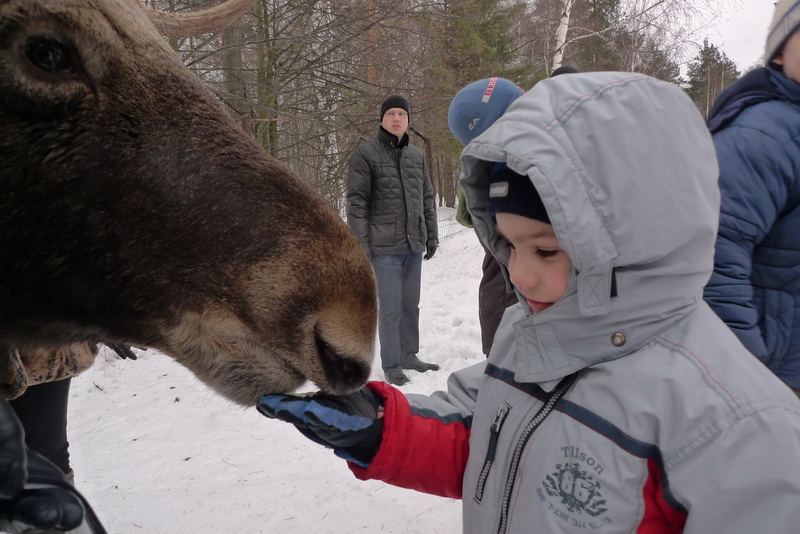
(156, 451)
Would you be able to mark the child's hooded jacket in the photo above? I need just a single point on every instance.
(671, 425)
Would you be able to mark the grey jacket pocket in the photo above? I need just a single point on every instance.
(382, 231)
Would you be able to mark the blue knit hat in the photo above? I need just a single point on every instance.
(478, 105)
(785, 20)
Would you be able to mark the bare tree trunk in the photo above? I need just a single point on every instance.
(448, 181)
(266, 129)
(372, 53)
(234, 70)
(429, 158)
(561, 33)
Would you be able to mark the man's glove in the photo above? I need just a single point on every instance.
(33, 492)
(351, 425)
(123, 351)
(430, 248)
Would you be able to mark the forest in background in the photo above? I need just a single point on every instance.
(306, 77)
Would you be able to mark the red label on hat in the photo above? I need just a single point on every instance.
(489, 89)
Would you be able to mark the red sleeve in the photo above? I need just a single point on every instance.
(420, 453)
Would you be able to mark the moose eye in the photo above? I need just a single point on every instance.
(50, 55)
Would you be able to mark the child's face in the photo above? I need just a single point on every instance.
(789, 57)
(537, 265)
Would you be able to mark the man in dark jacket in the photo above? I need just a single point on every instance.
(390, 209)
(755, 123)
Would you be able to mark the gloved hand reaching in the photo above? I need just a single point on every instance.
(430, 249)
(351, 425)
(123, 351)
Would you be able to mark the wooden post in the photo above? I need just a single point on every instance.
(428, 156)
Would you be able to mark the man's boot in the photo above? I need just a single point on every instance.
(410, 361)
(396, 376)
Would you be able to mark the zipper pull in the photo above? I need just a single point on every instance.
(494, 435)
(499, 417)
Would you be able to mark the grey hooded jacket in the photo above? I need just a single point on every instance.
(671, 425)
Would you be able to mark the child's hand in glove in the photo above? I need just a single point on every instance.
(351, 425)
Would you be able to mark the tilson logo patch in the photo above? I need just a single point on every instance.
(573, 492)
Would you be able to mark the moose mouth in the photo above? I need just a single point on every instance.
(343, 374)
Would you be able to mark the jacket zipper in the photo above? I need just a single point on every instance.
(494, 434)
(398, 158)
(534, 423)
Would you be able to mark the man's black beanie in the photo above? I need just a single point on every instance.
(395, 101)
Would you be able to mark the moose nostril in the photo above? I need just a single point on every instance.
(348, 373)
(325, 349)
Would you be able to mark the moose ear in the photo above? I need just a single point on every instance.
(198, 22)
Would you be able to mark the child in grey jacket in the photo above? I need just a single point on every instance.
(614, 400)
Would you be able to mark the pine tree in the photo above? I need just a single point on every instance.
(708, 74)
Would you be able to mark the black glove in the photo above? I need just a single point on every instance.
(123, 351)
(33, 492)
(351, 425)
(13, 465)
(46, 501)
(430, 248)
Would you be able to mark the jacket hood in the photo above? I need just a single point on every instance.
(626, 169)
(751, 89)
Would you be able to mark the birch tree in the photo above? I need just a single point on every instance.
(561, 32)
(306, 77)
(673, 24)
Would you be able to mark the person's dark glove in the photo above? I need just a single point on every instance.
(351, 425)
(13, 465)
(47, 501)
(123, 351)
(33, 492)
(430, 249)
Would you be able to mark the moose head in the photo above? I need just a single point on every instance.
(133, 209)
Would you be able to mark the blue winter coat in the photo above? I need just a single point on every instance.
(755, 287)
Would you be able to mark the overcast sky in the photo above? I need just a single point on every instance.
(742, 36)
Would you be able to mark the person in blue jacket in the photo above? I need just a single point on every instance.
(755, 123)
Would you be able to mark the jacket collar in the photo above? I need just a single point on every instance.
(390, 139)
(759, 85)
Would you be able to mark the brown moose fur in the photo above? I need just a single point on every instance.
(134, 210)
